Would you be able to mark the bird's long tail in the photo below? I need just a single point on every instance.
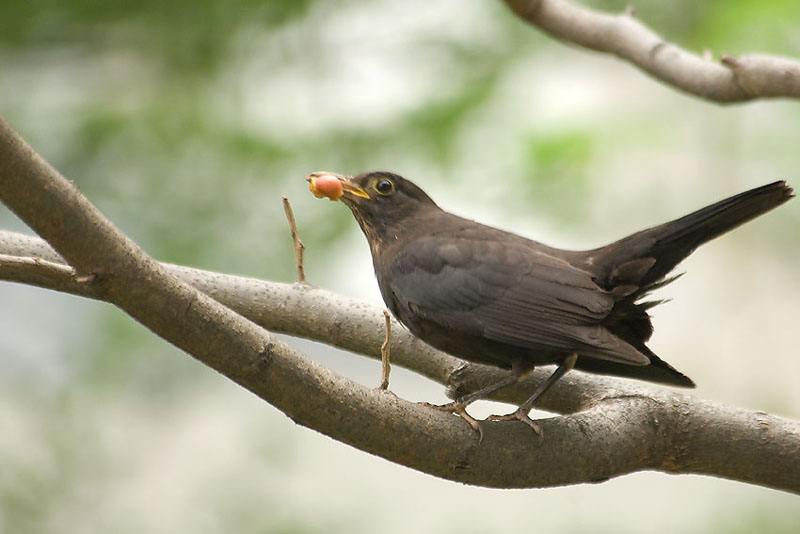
(636, 265)
(669, 243)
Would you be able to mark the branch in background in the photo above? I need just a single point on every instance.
(734, 79)
(656, 428)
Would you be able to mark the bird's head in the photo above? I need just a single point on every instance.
(382, 202)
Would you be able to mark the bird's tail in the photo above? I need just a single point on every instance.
(638, 264)
(669, 243)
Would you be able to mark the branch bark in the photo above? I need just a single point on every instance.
(614, 427)
(733, 79)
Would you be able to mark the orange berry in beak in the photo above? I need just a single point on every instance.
(326, 186)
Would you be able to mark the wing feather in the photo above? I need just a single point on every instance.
(511, 293)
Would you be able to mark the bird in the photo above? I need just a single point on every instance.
(493, 297)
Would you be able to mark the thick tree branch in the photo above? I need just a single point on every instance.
(690, 435)
(624, 426)
(734, 79)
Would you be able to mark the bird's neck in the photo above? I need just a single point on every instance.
(383, 233)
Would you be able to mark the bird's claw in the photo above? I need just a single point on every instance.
(460, 410)
(519, 415)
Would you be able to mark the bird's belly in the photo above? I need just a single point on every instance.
(476, 348)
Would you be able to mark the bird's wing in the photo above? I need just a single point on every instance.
(507, 291)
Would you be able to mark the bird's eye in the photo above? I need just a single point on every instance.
(384, 187)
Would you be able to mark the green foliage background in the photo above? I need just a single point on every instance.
(185, 122)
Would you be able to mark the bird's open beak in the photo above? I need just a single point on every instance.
(334, 186)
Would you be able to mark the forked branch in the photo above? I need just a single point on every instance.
(613, 427)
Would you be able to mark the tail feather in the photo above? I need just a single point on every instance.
(689, 232)
(643, 260)
(658, 371)
(668, 244)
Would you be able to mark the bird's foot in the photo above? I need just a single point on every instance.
(520, 414)
(460, 409)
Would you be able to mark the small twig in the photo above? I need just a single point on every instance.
(8, 261)
(299, 248)
(386, 352)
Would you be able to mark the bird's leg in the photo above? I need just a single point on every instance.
(521, 414)
(519, 370)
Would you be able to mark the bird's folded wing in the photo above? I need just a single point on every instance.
(509, 292)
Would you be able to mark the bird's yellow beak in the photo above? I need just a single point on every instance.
(333, 186)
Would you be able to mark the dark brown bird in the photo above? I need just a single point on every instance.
(496, 298)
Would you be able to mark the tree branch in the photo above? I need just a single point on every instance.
(623, 426)
(696, 436)
(734, 79)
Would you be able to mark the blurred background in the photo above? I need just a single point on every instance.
(186, 121)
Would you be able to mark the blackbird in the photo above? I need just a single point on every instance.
(493, 297)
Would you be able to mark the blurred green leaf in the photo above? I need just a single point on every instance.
(557, 173)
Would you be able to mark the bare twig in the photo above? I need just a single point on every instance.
(386, 349)
(44, 267)
(738, 79)
(299, 248)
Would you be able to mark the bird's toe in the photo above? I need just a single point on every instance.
(519, 415)
(459, 409)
